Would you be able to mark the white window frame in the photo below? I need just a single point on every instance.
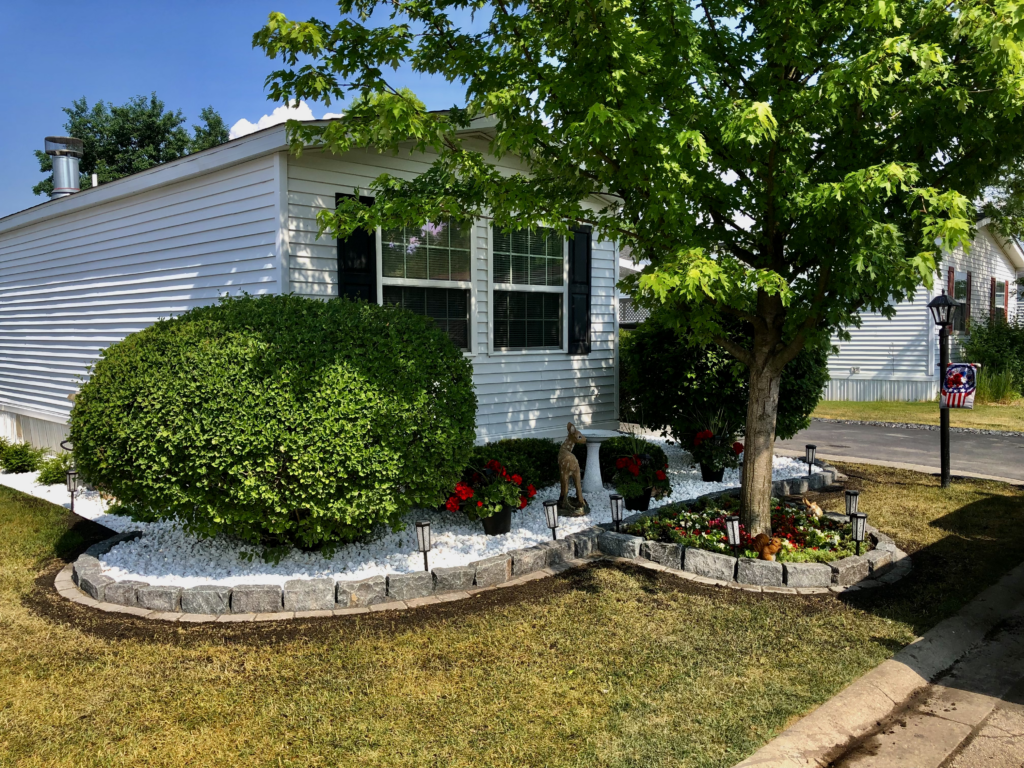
(465, 285)
(492, 286)
(1000, 294)
(961, 276)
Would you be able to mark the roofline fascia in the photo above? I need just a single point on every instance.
(266, 142)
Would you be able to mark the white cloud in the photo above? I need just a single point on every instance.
(290, 112)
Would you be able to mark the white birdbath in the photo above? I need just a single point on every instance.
(592, 479)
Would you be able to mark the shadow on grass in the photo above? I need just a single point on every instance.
(956, 554)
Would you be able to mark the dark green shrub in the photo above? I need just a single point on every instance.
(533, 458)
(668, 385)
(54, 470)
(20, 457)
(281, 420)
(999, 347)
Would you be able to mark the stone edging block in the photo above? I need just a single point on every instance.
(84, 582)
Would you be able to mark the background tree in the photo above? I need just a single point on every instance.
(130, 138)
(779, 163)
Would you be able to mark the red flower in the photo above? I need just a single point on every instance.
(523, 501)
(737, 448)
(660, 475)
(666, 465)
(479, 503)
(517, 479)
(621, 463)
(494, 465)
(531, 491)
(634, 469)
(452, 505)
(463, 491)
(697, 441)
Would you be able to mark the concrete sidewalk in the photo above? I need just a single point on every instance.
(968, 718)
(950, 699)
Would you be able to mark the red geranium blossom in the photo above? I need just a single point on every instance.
(523, 501)
(737, 448)
(452, 505)
(463, 491)
(517, 479)
(660, 475)
(531, 491)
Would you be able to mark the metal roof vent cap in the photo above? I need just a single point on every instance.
(66, 153)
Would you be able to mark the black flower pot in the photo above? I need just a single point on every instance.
(499, 522)
(711, 475)
(639, 503)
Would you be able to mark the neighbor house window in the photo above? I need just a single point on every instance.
(529, 286)
(960, 288)
(427, 270)
(999, 299)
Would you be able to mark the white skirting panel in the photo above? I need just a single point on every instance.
(863, 390)
(24, 429)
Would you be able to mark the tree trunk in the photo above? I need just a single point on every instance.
(758, 449)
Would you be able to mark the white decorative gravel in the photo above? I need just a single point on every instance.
(167, 555)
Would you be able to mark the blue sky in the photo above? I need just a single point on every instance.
(193, 54)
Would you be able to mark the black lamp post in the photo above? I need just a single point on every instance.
(617, 503)
(423, 542)
(732, 530)
(809, 457)
(860, 524)
(72, 480)
(551, 514)
(943, 309)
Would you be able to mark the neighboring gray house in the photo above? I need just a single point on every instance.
(536, 315)
(897, 359)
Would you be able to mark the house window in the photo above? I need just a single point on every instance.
(447, 307)
(960, 294)
(529, 287)
(999, 303)
(527, 320)
(427, 271)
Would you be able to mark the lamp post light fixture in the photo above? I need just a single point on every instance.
(66, 445)
(732, 530)
(809, 457)
(617, 503)
(423, 542)
(860, 524)
(72, 480)
(943, 309)
(551, 514)
(851, 503)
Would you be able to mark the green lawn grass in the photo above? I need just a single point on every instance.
(1000, 417)
(605, 666)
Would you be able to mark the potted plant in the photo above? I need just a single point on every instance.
(637, 476)
(715, 448)
(490, 495)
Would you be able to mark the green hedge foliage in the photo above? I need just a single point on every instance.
(281, 420)
(54, 470)
(20, 457)
(998, 346)
(668, 384)
(533, 458)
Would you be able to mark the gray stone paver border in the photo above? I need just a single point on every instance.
(882, 565)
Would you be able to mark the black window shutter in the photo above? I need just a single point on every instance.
(580, 253)
(357, 261)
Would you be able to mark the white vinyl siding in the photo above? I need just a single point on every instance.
(897, 359)
(519, 392)
(73, 284)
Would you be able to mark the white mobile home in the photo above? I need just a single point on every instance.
(536, 316)
(897, 359)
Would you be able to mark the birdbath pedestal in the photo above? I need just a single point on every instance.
(592, 478)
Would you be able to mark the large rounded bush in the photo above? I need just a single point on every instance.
(281, 420)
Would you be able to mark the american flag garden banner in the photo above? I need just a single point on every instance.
(959, 385)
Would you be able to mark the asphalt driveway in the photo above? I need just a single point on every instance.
(989, 455)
